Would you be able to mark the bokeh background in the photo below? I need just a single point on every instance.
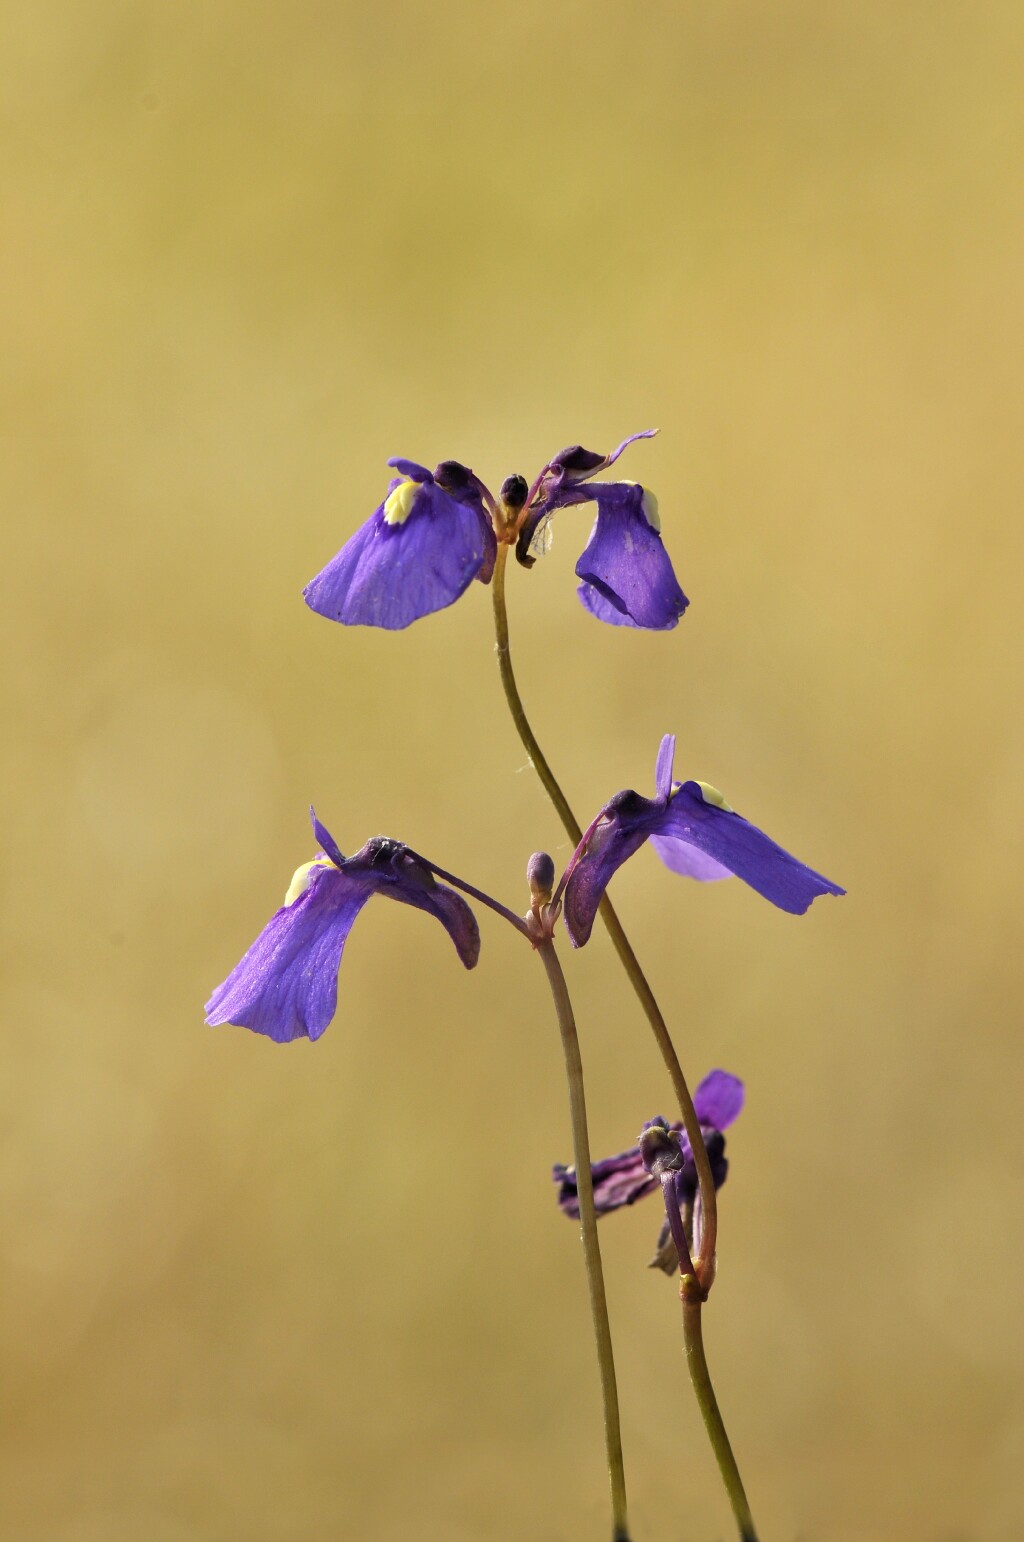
(265, 1294)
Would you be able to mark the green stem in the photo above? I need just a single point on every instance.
(705, 1264)
(700, 1376)
(588, 1226)
(695, 1286)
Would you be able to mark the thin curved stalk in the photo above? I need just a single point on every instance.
(588, 1227)
(692, 1298)
(584, 1185)
(477, 894)
(704, 1265)
(700, 1376)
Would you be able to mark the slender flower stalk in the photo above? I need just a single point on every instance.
(696, 1284)
(664, 1159)
(588, 1224)
(704, 1265)
(477, 894)
(691, 1295)
(537, 933)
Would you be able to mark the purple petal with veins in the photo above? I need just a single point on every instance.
(694, 834)
(718, 1099)
(686, 860)
(325, 840)
(620, 834)
(601, 608)
(733, 843)
(286, 985)
(390, 574)
(618, 1180)
(626, 562)
(663, 767)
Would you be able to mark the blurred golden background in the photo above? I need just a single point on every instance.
(255, 1293)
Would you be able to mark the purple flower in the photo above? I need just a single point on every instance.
(627, 577)
(433, 535)
(417, 552)
(695, 832)
(286, 986)
(623, 1179)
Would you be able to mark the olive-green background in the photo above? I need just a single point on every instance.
(254, 1293)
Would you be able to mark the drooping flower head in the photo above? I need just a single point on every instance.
(286, 985)
(416, 553)
(623, 1179)
(626, 574)
(437, 531)
(696, 833)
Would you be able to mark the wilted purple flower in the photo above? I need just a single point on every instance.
(417, 552)
(627, 577)
(695, 832)
(286, 986)
(623, 1179)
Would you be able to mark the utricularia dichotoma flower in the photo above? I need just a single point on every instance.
(286, 985)
(435, 532)
(622, 1179)
(695, 832)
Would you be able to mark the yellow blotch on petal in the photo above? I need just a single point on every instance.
(649, 504)
(649, 507)
(398, 503)
(302, 877)
(712, 795)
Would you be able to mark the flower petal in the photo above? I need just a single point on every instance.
(601, 607)
(389, 574)
(740, 847)
(325, 840)
(410, 468)
(645, 433)
(625, 560)
(695, 833)
(718, 1099)
(400, 875)
(575, 464)
(286, 985)
(451, 910)
(618, 1180)
(462, 484)
(559, 484)
(678, 857)
(612, 843)
(663, 767)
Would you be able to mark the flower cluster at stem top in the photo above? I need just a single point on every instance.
(435, 532)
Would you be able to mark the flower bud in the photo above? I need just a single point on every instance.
(513, 492)
(540, 875)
